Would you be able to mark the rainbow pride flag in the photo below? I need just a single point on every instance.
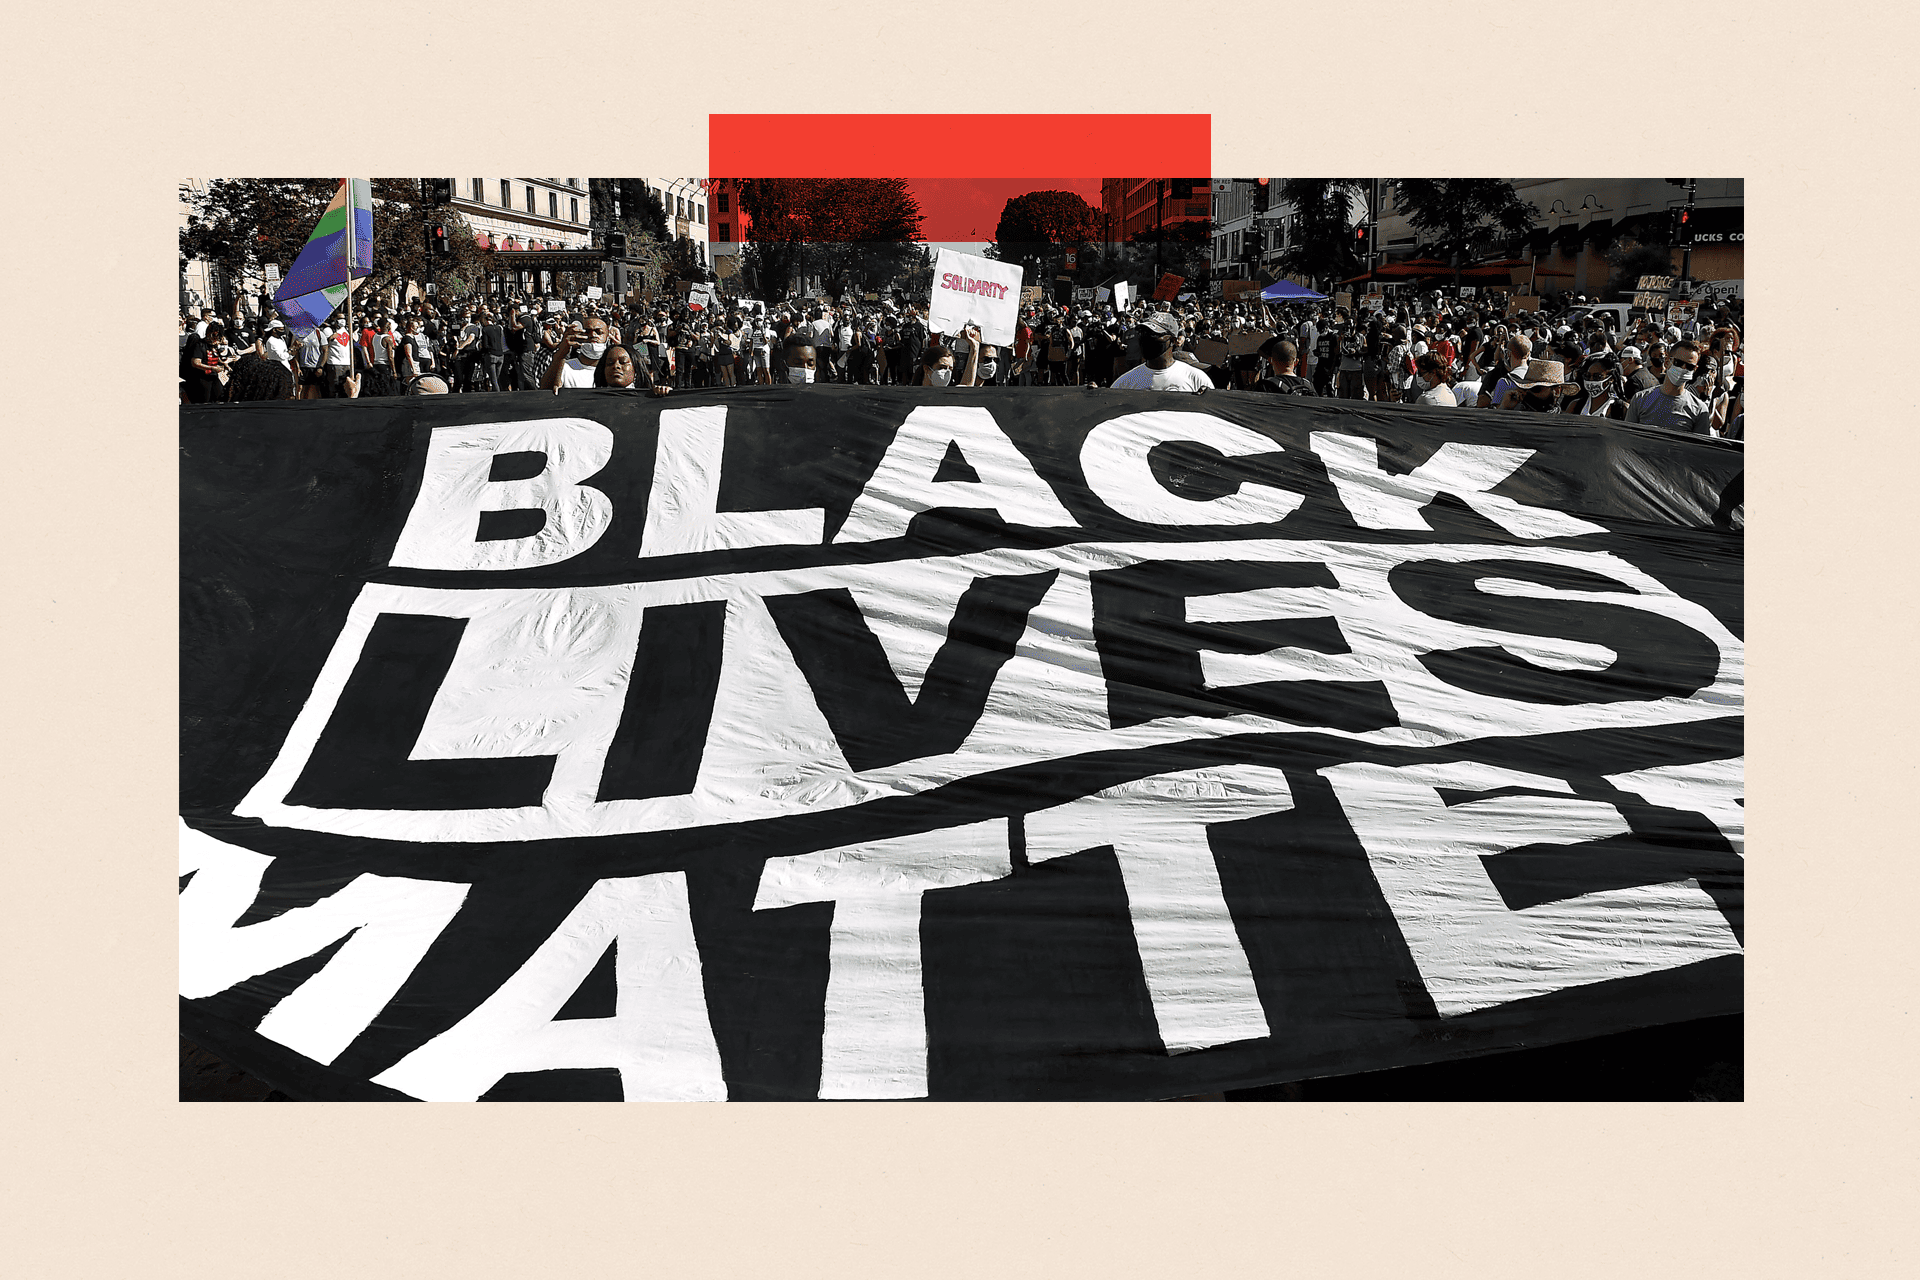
(336, 258)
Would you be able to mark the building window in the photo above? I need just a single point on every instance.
(506, 194)
(553, 205)
(530, 205)
(479, 190)
(726, 232)
(573, 207)
(700, 212)
(679, 207)
(573, 182)
(722, 207)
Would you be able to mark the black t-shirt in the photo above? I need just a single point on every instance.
(493, 339)
(1285, 384)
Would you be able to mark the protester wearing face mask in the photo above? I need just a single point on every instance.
(578, 355)
(799, 358)
(989, 366)
(937, 363)
(1599, 390)
(1433, 382)
(1671, 404)
(1162, 372)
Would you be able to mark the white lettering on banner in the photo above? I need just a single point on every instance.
(392, 921)
(660, 1037)
(1196, 969)
(681, 514)
(1714, 788)
(1114, 461)
(1473, 951)
(903, 485)
(457, 490)
(1379, 500)
(874, 1044)
(1230, 670)
(770, 752)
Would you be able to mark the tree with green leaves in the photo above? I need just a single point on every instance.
(1321, 247)
(1183, 248)
(1038, 227)
(1462, 217)
(242, 224)
(849, 232)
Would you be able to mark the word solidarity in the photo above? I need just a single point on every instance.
(1009, 744)
(966, 284)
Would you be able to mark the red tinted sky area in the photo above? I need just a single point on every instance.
(968, 209)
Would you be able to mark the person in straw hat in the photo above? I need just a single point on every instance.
(1538, 388)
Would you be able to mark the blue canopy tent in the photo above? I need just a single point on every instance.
(1288, 291)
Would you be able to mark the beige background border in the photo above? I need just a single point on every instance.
(108, 1176)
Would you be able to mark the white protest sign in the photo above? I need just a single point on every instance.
(1122, 294)
(556, 306)
(974, 290)
(593, 291)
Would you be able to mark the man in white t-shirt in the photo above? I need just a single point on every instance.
(1161, 372)
(578, 355)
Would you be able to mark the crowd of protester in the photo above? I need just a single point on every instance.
(1686, 375)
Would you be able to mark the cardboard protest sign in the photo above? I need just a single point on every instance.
(1343, 299)
(1168, 288)
(1246, 342)
(887, 743)
(972, 290)
(1030, 294)
(1210, 352)
(1683, 312)
(1523, 302)
(1232, 289)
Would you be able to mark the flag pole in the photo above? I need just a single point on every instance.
(352, 339)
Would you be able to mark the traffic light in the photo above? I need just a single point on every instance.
(439, 190)
(1261, 194)
(616, 244)
(1682, 227)
(438, 245)
(1362, 238)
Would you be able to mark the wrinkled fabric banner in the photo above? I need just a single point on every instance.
(834, 742)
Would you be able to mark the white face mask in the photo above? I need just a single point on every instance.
(1594, 389)
(1676, 376)
(939, 377)
(795, 373)
(592, 350)
(986, 370)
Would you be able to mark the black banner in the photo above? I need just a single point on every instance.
(973, 744)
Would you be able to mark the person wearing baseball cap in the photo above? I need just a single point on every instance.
(1157, 335)
(1633, 378)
